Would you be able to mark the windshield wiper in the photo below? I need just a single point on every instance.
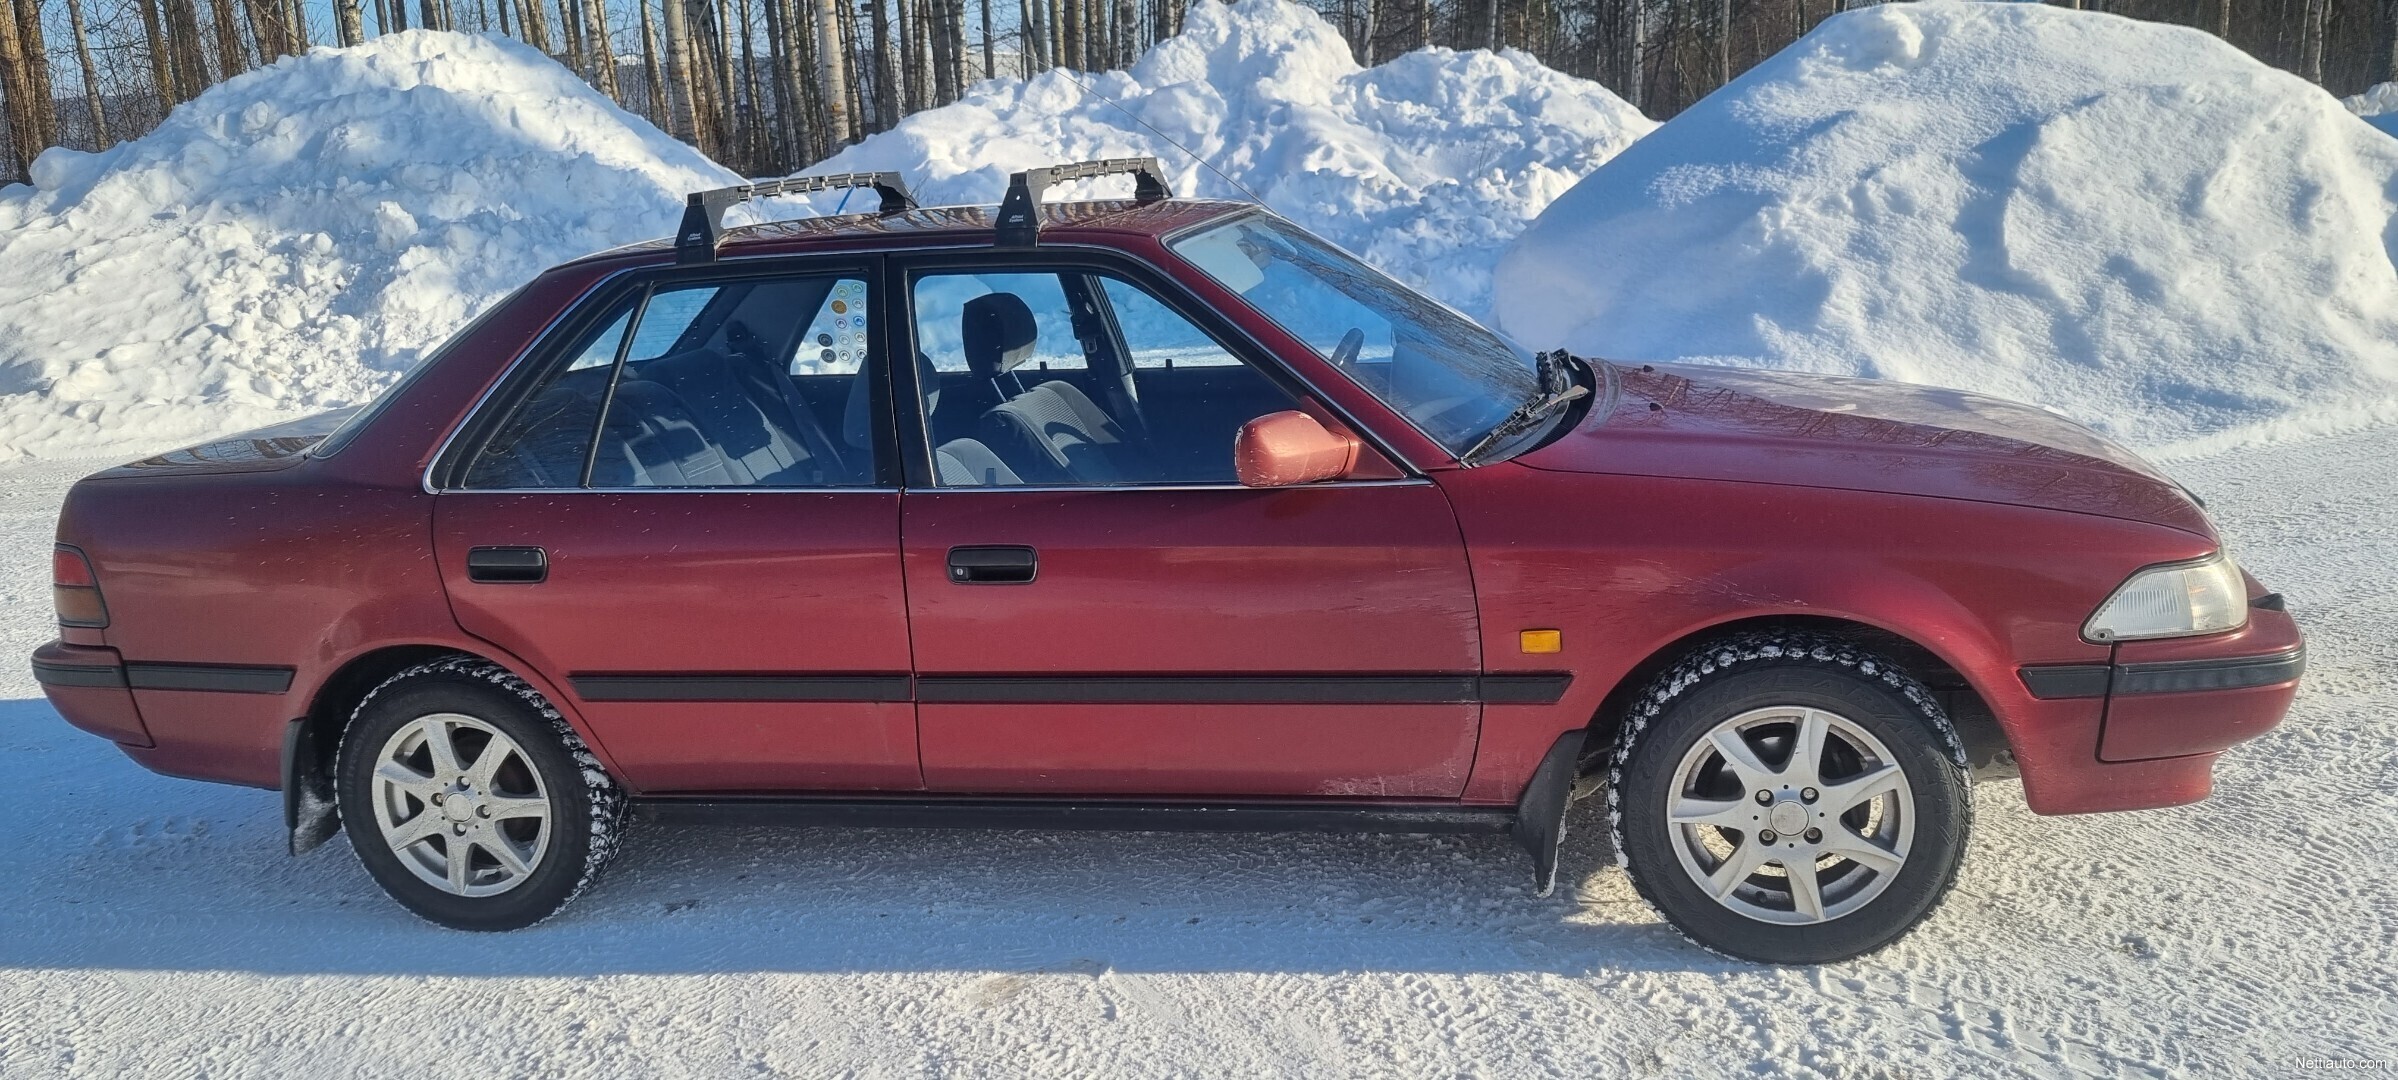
(1558, 386)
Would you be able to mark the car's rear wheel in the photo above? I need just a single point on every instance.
(470, 800)
(1790, 798)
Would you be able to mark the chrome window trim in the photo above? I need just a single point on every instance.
(674, 491)
(1406, 481)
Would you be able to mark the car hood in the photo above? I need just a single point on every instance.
(264, 450)
(1777, 427)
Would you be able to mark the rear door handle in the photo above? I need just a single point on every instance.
(998, 564)
(508, 565)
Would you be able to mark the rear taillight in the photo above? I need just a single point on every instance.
(75, 589)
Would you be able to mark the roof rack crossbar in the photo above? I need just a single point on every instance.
(1019, 221)
(703, 215)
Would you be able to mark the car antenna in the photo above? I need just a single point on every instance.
(1187, 151)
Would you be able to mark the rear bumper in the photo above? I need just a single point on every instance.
(2165, 709)
(86, 684)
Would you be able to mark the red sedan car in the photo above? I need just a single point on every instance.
(1155, 514)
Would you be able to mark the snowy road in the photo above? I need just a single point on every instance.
(152, 926)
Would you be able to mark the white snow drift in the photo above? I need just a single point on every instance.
(2134, 223)
(1427, 165)
(2378, 105)
(296, 236)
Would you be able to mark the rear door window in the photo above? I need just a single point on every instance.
(752, 383)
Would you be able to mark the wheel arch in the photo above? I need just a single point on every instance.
(1985, 742)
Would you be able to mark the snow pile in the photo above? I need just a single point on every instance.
(296, 236)
(2378, 105)
(2134, 223)
(1426, 166)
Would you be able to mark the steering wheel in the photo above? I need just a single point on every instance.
(1345, 353)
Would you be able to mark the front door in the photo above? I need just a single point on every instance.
(677, 516)
(1098, 607)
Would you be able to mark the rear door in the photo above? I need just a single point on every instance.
(1122, 617)
(677, 510)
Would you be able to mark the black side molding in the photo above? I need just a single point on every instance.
(2050, 682)
(1078, 814)
(109, 676)
(1243, 689)
(2237, 673)
(215, 678)
(740, 687)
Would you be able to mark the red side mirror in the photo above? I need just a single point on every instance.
(1286, 448)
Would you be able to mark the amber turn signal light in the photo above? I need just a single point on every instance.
(75, 589)
(1541, 641)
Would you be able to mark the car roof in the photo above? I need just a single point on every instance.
(1096, 220)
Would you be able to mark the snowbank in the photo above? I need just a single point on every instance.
(2134, 223)
(1427, 165)
(2378, 105)
(295, 237)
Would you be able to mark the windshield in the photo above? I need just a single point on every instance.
(1450, 377)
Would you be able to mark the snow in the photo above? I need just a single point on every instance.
(1426, 166)
(151, 926)
(2134, 223)
(2378, 105)
(296, 237)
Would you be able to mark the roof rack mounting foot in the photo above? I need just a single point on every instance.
(1019, 220)
(703, 214)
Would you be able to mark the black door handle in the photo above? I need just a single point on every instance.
(508, 565)
(1003, 564)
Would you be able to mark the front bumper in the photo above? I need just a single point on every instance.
(2166, 709)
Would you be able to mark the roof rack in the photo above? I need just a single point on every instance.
(703, 216)
(1020, 224)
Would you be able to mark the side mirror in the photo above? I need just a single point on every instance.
(1286, 448)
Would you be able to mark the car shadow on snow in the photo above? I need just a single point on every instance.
(115, 868)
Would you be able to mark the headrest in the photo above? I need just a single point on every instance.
(857, 418)
(999, 334)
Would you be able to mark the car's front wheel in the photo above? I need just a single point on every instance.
(470, 800)
(1790, 798)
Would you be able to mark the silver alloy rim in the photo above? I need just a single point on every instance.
(461, 805)
(1791, 815)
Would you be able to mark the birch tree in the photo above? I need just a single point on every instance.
(830, 74)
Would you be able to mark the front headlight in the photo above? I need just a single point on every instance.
(2203, 596)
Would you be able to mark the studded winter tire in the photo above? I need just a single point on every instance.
(470, 800)
(1789, 798)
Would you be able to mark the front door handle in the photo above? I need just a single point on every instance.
(992, 564)
(508, 565)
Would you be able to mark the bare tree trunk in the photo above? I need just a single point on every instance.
(681, 118)
(1365, 41)
(570, 38)
(720, 44)
(1723, 42)
(886, 73)
(162, 65)
(1128, 25)
(1028, 32)
(603, 48)
(786, 109)
(16, 85)
(1636, 58)
(829, 73)
(653, 80)
(1075, 56)
(1423, 24)
(183, 41)
(534, 17)
(41, 104)
(2310, 40)
(91, 75)
(752, 128)
(350, 23)
(295, 29)
(506, 29)
(990, 65)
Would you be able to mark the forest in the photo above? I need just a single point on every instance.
(770, 86)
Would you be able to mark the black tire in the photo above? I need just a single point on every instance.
(586, 808)
(1766, 670)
